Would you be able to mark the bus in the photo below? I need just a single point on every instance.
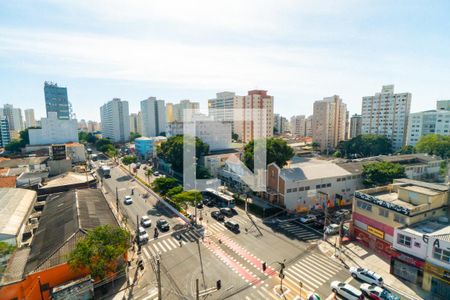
(220, 198)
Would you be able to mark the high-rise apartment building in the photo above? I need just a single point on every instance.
(93, 126)
(355, 125)
(328, 123)
(82, 125)
(169, 113)
(115, 120)
(254, 115)
(5, 137)
(221, 107)
(280, 125)
(153, 117)
(134, 123)
(179, 110)
(429, 122)
(56, 100)
(298, 125)
(14, 116)
(387, 114)
(308, 126)
(30, 120)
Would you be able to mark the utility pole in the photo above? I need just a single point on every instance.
(300, 284)
(117, 200)
(158, 267)
(197, 293)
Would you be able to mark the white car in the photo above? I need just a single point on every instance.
(128, 200)
(346, 290)
(308, 219)
(332, 229)
(366, 276)
(142, 235)
(145, 221)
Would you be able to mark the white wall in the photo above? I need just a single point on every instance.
(418, 246)
(54, 131)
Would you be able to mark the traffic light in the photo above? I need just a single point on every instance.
(282, 265)
(264, 266)
(219, 284)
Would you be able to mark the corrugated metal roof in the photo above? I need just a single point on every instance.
(15, 206)
(26, 161)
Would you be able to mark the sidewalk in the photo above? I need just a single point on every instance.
(354, 254)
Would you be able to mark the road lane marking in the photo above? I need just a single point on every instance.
(167, 245)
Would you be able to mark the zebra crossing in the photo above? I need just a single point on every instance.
(162, 245)
(298, 231)
(312, 271)
(214, 226)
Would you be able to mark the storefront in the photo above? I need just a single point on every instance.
(437, 281)
(407, 267)
(373, 239)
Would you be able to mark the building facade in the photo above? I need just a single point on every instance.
(443, 105)
(355, 125)
(298, 126)
(329, 121)
(169, 113)
(144, 147)
(134, 123)
(93, 126)
(54, 131)
(221, 107)
(115, 120)
(14, 116)
(30, 120)
(179, 113)
(5, 136)
(387, 114)
(153, 117)
(254, 115)
(56, 100)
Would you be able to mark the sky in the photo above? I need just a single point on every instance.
(300, 51)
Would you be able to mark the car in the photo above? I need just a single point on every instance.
(319, 224)
(145, 221)
(217, 215)
(366, 276)
(346, 290)
(163, 225)
(210, 203)
(375, 292)
(332, 229)
(233, 226)
(142, 235)
(128, 200)
(156, 173)
(308, 219)
(227, 212)
(138, 165)
(200, 205)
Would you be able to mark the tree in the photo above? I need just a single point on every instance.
(172, 151)
(434, 144)
(337, 153)
(278, 152)
(16, 144)
(163, 184)
(100, 251)
(103, 145)
(406, 150)
(188, 197)
(174, 191)
(365, 145)
(148, 173)
(134, 135)
(235, 136)
(113, 153)
(381, 173)
(315, 146)
(128, 160)
(86, 137)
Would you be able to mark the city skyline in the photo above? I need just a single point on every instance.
(156, 51)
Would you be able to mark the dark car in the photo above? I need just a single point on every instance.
(217, 215)
(163, 225)
(200, 205)
(227, 212)
(319, 224)
(233, 226)
(210, 203)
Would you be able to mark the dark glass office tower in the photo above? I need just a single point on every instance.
(56, 100)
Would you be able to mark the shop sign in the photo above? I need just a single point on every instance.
(388, 205)
(442, 273)
(376, 232)
(409, 260)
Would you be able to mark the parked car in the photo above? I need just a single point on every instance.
(200, 205)
(142, 236)
(156, 173)
(128, 200)
(210, 203)
(233, 226)
(366, 276)
(163, 225)
(332, 229)
(308, 219)
(375, 292)
(346, 290)
(227, 212)
(319, 224)
(217, 215)
(145, 221)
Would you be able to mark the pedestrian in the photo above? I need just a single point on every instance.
(181, 244)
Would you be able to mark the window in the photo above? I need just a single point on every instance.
(323, 185)
(318, 186)
(364, 205)
(306, 188)
(404, 240)
(417, 244)
(289, 190)
(328, 184)
(441, 254)
(383, 212)
(300, 189)
(399, 219)
(294, 190)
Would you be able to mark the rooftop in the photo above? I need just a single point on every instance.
(64, 220)
(7, 181)
(69, 178)
(25, 161)
(302, 168)
(429, 227)
(15, 206)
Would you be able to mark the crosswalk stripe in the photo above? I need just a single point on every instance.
(167, 245)
(318, 265)
(160, 245)
(156, 248)
(146, 253)
(248, 298)
(307, 265)
(269, 293)
(295, 284)
(326, 262)
(173, 243)
(184, 239)
(261, 294)
(298, 275)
